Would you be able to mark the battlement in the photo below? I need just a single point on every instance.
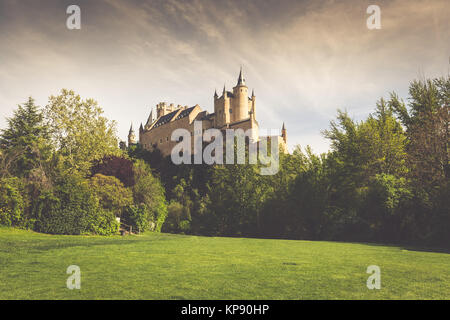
(163, 108)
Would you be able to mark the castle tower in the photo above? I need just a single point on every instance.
(162, 109)
(251, 106)
(284, 134)
(222, 108)
(240, 107)
(131, 136)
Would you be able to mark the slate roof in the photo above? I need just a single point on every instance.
(168, 117)
(185, 113)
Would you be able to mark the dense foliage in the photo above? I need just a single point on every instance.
(62, 172)
(385, 179)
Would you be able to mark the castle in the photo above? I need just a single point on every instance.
(232, 110)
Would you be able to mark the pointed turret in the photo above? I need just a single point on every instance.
(241, 80)
(141, 129)
(240, 108)
(215, 94)
(252, 105)
(131, 136)
(149, 120)
(283, 133)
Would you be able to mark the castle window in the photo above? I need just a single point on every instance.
(160, 140)
(231, 111)
(167, 138)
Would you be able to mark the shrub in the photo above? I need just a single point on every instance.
(12, 202)
(138, 216)
(176, 221)
(113, 196)
(104, 223)
(72, 208)
(149, 191)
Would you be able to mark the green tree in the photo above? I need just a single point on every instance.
(79, 130)
(12, 202)
(73, 208)
(24, 143)
(426, 119)
(139, 217)
(112, 194)
(149, 191)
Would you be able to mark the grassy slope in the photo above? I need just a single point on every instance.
(164, 266)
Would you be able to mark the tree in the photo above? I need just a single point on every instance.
(119, 167)
(79, 131)
(12, 202)
(112, 194)
(426, 119)
(25, 142)
(73, 208)
(149, 191)
(237, 194)
(373, 146)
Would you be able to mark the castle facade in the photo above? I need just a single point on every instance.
(232, 110)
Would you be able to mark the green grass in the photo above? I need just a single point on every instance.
(165, 266)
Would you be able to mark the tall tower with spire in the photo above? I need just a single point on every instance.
(131, 136)
(235, 106)
(239, 106)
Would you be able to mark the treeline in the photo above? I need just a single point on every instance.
(62, 172)
(385, 178)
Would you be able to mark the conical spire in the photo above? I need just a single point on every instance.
(284, 134)
(131, 136)
(223, 92)
(253, 92)
(150, 119)
(141, 128)
(241, 80)
(215, 93)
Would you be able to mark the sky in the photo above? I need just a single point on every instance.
(304, 59)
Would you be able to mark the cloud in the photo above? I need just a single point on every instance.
(304, 59)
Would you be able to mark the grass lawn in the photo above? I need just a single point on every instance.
(166, 266)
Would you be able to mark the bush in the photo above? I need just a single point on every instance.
(12, 202)
(72, 208)
(113, 196)
(138, 216)
(104, 223)
(176, 220)
(149, 191)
